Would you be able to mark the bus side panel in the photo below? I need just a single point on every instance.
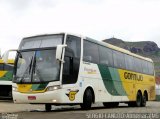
(105, 81)
(90, 78)
(134, 82)
(112, 84)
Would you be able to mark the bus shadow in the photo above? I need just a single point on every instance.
(68, 109)
(8, 100)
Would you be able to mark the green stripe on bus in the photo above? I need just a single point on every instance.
(7, 76)
(112, 80)
(37, 87)
(117, 81)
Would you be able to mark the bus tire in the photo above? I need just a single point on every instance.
(138, 102)
(87, 100)
(48, 107)
(144, 100)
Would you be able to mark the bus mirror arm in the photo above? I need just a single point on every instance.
(59, 52)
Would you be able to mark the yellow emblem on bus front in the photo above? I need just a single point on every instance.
(72, 95)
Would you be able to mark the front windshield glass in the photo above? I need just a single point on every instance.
(37, 66)
(36, 61)
(24, 63)
(46, 68)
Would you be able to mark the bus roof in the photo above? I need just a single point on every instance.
(41, 35)
(97, 42)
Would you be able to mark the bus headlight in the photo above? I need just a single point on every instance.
(52, 88)
(14, 89)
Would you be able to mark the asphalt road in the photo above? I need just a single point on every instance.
(9, 110)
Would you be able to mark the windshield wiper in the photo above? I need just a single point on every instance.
(30, 65)
(28, 68)
(35, 71)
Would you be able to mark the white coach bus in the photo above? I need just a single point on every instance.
(62, 68)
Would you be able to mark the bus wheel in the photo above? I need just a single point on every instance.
(144, 99)
(48, 107)
(138, 100)
(87, 100)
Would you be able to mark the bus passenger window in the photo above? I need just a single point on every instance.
(137, 65)
(105, 56)
(129, 62)
(118, 58)
(151, 68)
(90, 52)
(145, 67)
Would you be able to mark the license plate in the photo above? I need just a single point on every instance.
(31, 97)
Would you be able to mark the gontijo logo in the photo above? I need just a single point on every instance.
(133, 76)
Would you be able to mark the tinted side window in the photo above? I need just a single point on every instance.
(106, 56)
(145, 67)
(129, 62)
(118, 59)
(137, 65)
(151, 68)
(90, 52)
(74, 44)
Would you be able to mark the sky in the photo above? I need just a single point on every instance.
(129, 20)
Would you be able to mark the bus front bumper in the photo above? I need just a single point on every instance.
(39, 98)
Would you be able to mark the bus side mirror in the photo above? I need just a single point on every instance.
(59, 51)
(6, 55)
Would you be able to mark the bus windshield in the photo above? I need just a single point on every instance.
(35, 66)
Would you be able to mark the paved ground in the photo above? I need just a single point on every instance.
(9, 110)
